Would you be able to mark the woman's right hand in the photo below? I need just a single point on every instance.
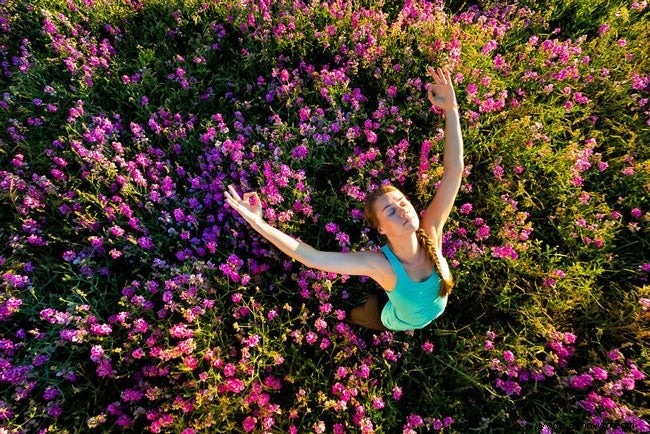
(249, 206)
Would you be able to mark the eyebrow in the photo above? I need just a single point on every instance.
(403, 197)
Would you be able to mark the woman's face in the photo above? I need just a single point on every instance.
(395, 214)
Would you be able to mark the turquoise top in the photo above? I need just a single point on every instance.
(411, 305)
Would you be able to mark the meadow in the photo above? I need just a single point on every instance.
(132, 299)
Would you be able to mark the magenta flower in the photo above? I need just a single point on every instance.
(509, 387)
(249, 423)
(466, 208)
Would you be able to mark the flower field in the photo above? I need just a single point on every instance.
(133, 299)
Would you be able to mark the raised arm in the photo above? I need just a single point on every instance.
(354, 263)
(441, 94)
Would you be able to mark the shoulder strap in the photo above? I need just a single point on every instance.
(397, 265)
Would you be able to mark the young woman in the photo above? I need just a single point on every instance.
(410, 268)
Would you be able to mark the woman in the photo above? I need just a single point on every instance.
(410, 269)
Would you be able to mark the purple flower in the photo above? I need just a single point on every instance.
(509, 387)
(300, 152)
(466, 208)
(146, 243)
(506, 251)
(581, 381)
(50, 393)
(5, 411)
(414, 421)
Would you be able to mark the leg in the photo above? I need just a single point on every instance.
(369, 314)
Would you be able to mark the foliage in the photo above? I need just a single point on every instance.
(132, 299)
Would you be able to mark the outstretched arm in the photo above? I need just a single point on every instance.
(441, 94)
(354, 263)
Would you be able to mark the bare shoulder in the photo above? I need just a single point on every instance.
(384, 274)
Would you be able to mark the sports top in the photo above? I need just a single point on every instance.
(411, 305)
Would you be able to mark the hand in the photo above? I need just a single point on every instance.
(249, 207)
(441, 93)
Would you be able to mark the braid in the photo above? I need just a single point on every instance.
(430, 249)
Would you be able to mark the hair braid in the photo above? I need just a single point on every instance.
(430, 249)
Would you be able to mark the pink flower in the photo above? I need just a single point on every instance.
(581, 381)
(465, 208)
(235, 385)
(319, 427)
(615, 355)
(229, 370)
(181, 331)
(509, 387)
(311, 337)
(249, 423)
(332, 228)
(428, 347)
(599, 373)
(371, 136)
(190, 362)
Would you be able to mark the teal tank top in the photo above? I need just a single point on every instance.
(411, 305)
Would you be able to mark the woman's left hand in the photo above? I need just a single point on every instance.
(441, 93)
(249, 206)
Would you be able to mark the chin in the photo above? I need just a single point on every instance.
(411, 226)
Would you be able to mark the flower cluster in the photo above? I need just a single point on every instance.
(602, 386)
(128, 284)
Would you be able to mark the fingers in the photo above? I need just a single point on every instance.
(440, 75)
(231, 201)
(251, 198)
(233, 193)
(234, 200)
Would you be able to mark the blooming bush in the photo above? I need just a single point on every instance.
(132, 299)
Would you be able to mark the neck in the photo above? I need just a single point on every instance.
(405, 248)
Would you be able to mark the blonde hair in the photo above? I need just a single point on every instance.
(446, 283)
